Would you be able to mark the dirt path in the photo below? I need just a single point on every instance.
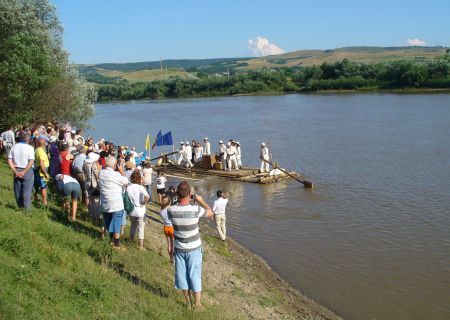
(234, 276)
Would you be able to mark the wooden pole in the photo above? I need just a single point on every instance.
(306, 184)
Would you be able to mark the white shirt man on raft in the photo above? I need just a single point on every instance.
(188, 155)
(223, 155)
(264, 155)
(207, 148)
(181, 152)
(219, 208)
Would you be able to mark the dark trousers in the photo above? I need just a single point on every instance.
(23, 188)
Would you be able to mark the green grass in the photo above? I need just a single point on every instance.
(51, 269)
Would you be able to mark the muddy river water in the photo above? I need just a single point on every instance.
(372, 239)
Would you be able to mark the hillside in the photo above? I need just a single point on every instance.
(52, 269)
(147, 71)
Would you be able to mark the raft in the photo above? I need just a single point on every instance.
(245, 174)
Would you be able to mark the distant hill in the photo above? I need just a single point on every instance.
(355, 54)
(146, 71)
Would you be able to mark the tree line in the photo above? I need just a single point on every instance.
(341, 75)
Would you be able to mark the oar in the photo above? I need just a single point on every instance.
(164, 155)
(306, 184)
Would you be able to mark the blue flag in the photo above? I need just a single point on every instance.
(167, 139)
(158, 140)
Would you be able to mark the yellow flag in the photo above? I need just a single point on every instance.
(147, 142)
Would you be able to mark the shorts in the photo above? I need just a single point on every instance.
(137, 226)
(115, 224)
(161, 191)
(39, 181)
(71, 189)
(188, 270)
(168, 231)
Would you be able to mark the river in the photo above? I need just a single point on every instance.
(372, 239)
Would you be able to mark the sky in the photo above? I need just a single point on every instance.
(97, 31)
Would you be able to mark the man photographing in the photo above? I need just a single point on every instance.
(188, 246)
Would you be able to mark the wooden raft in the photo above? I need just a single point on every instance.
(244, 174)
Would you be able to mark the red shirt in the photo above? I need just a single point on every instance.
(66, 165)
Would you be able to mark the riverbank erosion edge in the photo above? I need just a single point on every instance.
(56, 269)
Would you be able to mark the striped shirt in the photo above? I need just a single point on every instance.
(185, 224)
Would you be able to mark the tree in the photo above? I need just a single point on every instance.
(37, 82)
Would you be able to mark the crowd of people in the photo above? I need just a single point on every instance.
(114, 183)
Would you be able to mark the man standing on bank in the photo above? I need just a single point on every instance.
(219, 208)
(188, 246)
(21, 160)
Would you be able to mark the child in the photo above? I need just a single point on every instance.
(148, 171)
(219, 214)
(139, 197)
(168, 228)
(160, 184)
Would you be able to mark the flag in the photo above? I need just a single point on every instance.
(167, 139)
(147, 142)
(158, 140)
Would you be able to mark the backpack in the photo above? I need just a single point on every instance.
(127, 204)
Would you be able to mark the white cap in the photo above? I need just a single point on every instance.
(205, 138)
(73, 131)
(220, 142)
(229, 143)
(237, 142)
(102, 139)
(187, 142)
(263, 144)
(181, 142)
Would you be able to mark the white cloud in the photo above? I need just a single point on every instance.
(416, 42)
(262, 47)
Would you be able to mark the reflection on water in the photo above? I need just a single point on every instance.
(371, 240)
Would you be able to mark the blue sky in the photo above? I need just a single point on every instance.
(143, 30)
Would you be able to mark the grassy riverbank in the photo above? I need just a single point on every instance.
(55, 270)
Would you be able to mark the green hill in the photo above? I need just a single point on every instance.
(107, 73)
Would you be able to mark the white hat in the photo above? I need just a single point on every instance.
(181, 142)
(102, 139)
(187, 142)
(92, 157)
(205, 138)
(237, 142)
(73, 131)
(229, 143)
(263, 144)
(220, 142)
(53, 139)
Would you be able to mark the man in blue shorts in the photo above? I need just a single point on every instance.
(188, 246)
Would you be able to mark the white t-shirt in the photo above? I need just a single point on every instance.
(137, 193)
(111, 183)
(20, 154)
(165, 217)
(220, 205)
(65, 178)
(148, 176)
(161, 182)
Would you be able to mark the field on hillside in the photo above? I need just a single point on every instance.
(143, 75)
(356, 54)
